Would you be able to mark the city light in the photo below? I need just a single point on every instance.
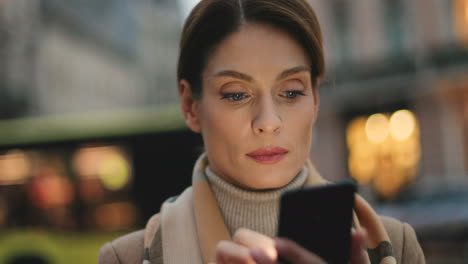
(361, 163)
(49, 189)
(402, 124)
(114, 172)
(106, 163)
(377, 128)
(384, 150)
(15, 167)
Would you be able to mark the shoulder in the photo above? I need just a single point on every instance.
(125, 249)
(404, 241)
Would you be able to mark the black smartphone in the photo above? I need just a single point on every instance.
(319, 219)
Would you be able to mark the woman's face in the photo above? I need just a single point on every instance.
(257, 108)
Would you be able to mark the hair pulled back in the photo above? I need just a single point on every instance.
(211, 21)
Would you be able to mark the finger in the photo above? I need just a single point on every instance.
(261, 257)
(232, 253)
(294, 253)
(252, 239)
(359, 247)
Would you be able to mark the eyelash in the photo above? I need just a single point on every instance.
(295, 94)
(232, 96)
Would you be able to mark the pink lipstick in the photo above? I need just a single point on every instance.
(268, 155)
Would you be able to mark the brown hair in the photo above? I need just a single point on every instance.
(213, 20)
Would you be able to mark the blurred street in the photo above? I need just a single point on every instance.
(88, 102)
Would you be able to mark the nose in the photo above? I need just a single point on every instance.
(267, 119)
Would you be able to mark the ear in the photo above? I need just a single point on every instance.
(189, 106)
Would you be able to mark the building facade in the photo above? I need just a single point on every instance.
(383, 57)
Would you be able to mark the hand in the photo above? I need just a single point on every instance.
(249, 247)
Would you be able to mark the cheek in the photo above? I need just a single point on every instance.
(221, 127)
(303, 134)
(301, 122)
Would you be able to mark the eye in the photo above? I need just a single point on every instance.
(235, 97)
(292, 94)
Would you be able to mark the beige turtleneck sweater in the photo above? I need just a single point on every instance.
(255, 210)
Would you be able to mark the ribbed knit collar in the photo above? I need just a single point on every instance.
(255, 210)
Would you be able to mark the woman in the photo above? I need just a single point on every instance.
(248, 76)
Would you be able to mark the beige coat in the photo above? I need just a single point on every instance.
(129, 248)
(193, 220)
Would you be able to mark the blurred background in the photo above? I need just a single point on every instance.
(92, 141)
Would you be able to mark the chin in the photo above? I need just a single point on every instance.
(268, 183)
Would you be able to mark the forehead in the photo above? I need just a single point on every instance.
(257, 49)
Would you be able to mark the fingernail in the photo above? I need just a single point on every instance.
(258, 255)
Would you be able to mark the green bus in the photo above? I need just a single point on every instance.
(70, 183)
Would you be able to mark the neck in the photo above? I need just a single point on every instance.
(255, 210)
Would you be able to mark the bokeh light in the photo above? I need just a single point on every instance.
(377, 128)
(384, 152)
(402, 124)
(355, 132)
(114, 172)
(360, 162)
(106, 163)
(49, 189)
(15, 167)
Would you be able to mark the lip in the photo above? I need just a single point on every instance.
(268, 155)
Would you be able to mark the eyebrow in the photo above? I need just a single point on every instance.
(293, 71)
(245, 77)
(234, 74)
